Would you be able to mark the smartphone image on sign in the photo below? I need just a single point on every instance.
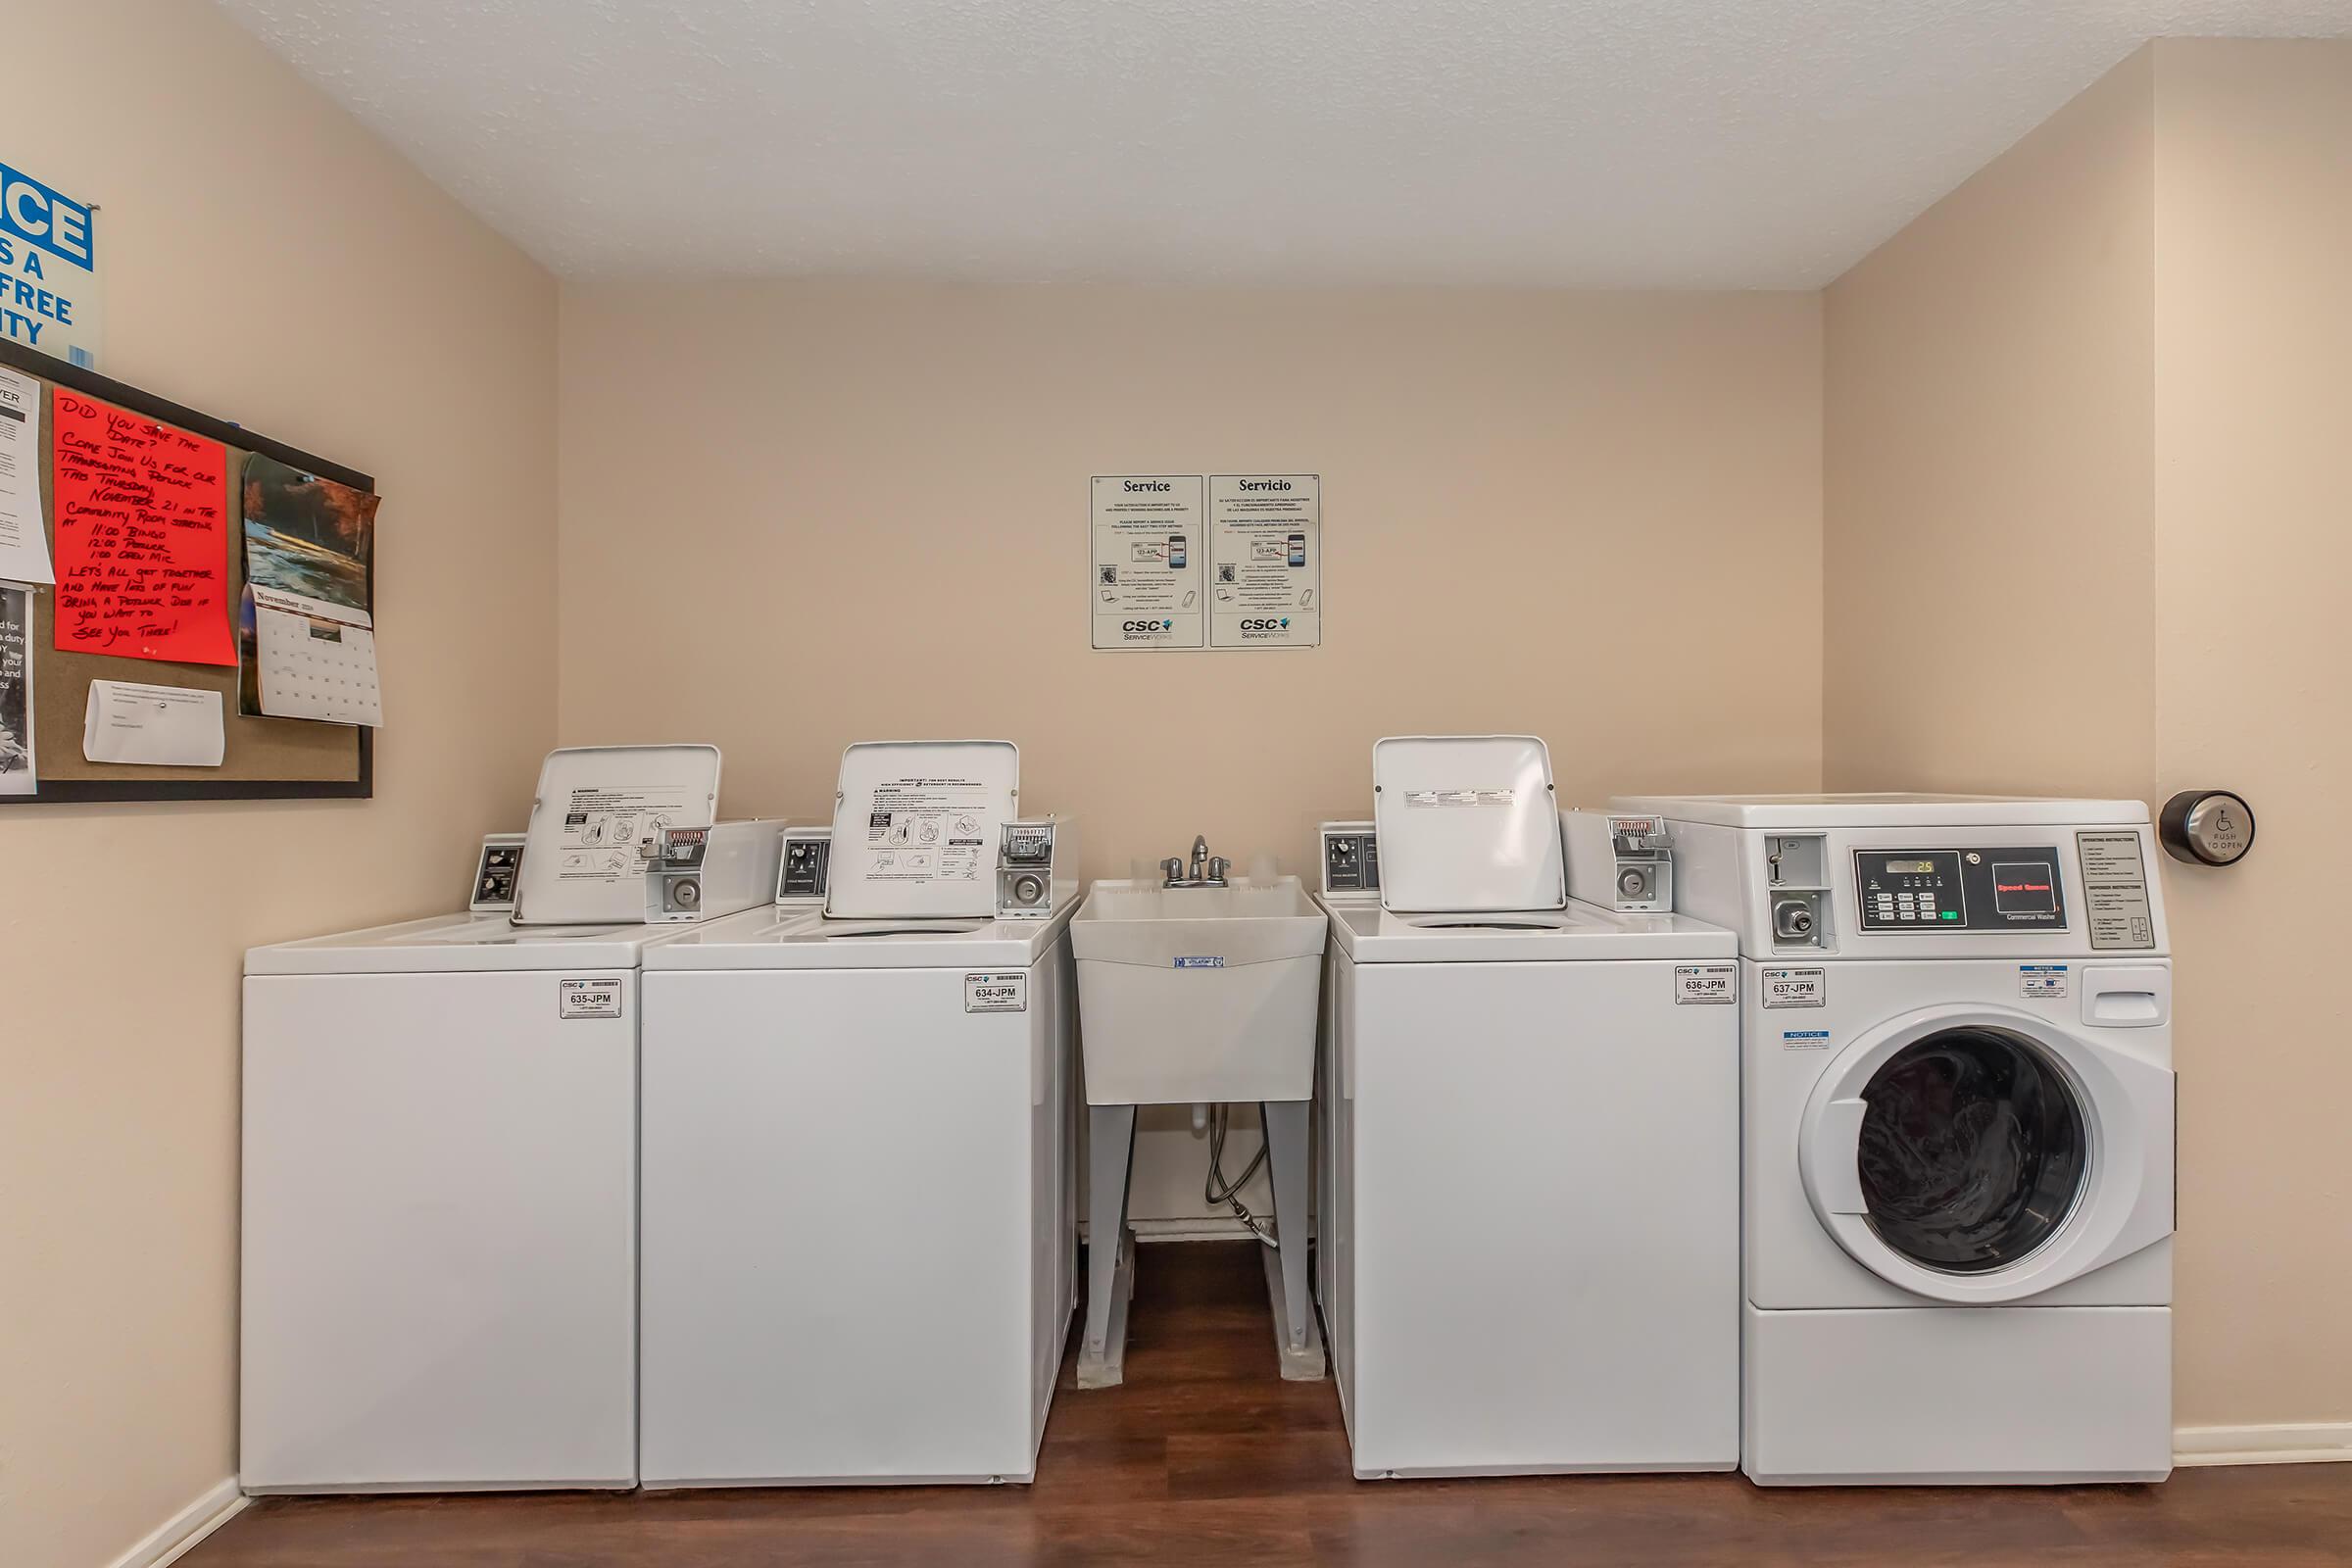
(1297, 550)
(1176, 551)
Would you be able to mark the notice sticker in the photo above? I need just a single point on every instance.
(1795, 988)
(1804, 1040)
(1711, 985)
(588, 998)
(2041, 979)
(996, 992)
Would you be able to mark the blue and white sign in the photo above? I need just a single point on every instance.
(1199, 961)
(49, 296)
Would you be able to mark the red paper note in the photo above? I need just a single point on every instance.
(142, 536)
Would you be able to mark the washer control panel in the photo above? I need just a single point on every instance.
(1350, 858)
(1960, 890)
(801, 874)
(495, 872)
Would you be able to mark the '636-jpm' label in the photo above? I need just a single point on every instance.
(1706, 984)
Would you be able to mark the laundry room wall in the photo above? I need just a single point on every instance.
(268, 261)
(1989, 479)
(2088, 413)
(801, 513)
(2253, 658)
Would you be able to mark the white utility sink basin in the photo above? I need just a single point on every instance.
(1199, 993)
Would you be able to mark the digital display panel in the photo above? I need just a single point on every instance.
(1910, 867)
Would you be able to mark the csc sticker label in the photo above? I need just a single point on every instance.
(1707, 985)
(996, 992)
(1204, 962)
(588, 998)
(1795, 988)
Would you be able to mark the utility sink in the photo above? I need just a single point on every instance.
(1199, 993)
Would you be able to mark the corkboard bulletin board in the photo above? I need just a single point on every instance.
(267, 759)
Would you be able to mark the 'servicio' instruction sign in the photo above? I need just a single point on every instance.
(48, 270)
(1265, 560)
(1145, 575)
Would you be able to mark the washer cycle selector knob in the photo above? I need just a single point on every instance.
(2206, 827)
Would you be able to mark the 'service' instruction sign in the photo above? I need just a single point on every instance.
(1145, 575)
(48, 270)
(1265, 560)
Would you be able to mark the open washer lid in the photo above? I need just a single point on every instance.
(1466, 822)
(915, 826)
(597, 819)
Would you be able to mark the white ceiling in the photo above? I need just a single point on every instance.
(1599, 143)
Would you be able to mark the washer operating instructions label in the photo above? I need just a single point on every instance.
(1265, 560)
(2114, 887)
(1145, 574)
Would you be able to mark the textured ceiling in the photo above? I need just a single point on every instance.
(1660, 143)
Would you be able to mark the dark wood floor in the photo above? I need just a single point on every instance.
(1206, 1457)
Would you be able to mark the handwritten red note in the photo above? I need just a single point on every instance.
(142, 536)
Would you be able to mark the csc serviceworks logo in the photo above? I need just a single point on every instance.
(1263, 627)
(1147, 628)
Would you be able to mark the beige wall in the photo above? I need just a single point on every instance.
(2105, 377)
(1595, 518)
(2253, 660)
(266, 261)
(865, 516)
(1987, 443)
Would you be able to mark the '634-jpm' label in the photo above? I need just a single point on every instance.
(1008, 991)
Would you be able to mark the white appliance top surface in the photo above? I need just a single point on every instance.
(442, 943)
(1890, 809)
(1370, 934)
(1466, 822)
(597, 819)
(915, 828)
(809, 939)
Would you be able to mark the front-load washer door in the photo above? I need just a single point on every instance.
(1984, 1155)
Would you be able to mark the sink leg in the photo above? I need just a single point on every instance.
(1301, 1344)
(1109, 1251)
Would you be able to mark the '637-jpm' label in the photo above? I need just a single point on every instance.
(1795, 987)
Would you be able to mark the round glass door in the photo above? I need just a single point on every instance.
(1973, 1149)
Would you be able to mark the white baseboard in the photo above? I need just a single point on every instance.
(2285, 1442)
(175, 1535)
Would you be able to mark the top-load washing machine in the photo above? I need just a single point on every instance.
(860, 1186)
(440, 1154)
(1958, 1127)
(1529, 1210)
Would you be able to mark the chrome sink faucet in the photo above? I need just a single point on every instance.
(1208, 871)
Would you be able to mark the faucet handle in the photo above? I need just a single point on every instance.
(1172, 869)
(1218, 865)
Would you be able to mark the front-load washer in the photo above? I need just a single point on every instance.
(439, 1246)
(1528, 1253)
(1958, 1122)
(859, 1184)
